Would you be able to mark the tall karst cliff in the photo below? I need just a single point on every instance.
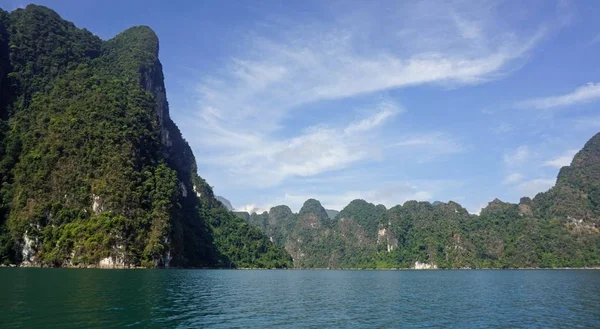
(93, 169)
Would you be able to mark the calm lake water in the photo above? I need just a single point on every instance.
(84, 298)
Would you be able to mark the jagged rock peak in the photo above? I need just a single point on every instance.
(313, 207)
(226, 203)
(589, 155)
(585, 167)
(281, 210)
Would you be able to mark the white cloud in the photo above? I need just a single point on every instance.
(590, 122)
(502, 128)
(487, 111)
(245, 127)
(387, 110)
(513, 178)
(476, 210)
(565, 12)
(518, 156)
(424, 147)
(266, 162)
(468, 29)
(251, 208)
(532, 187)
(561, 161)
(584, 94)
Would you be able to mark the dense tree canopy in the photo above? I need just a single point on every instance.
(92, 168)
(94, 171)
(558, 228)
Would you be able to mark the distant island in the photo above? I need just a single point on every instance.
(94, 173)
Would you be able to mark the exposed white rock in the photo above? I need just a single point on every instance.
(28, 249)
(384, 236)
(183, 189)
(112, 262)
(117, 259)
(166, 138)
(166, 260)
(70, 260)
(97, 205)
(107, 262)
(198, 194)
(381, 234)
(424, 266)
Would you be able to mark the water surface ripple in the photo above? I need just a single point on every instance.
(77, 298)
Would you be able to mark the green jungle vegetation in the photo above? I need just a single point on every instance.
(558, 228)
(92, 169)
(93, 172)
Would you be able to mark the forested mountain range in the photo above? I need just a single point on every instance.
(558, 228)
(93, 171)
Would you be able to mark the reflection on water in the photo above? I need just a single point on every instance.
(75, 298)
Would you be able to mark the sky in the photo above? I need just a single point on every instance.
(386, 101)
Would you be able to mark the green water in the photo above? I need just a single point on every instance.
(80, 298)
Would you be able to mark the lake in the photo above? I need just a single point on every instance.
(84, 298)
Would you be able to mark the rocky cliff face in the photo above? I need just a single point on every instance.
(4, 66)
(576, 195)
(94, 172)
(225, 202)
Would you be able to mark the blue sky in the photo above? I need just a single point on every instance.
(386, 101)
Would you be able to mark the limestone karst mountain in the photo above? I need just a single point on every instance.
(558, 228)
(93, 171)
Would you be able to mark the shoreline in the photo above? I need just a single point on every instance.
(303, 269)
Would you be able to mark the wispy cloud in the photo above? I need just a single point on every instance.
(244, 126)
(513, 178)
(532, 187)
(502, 128)
(584, 94)
(266, 162)
(518, 156)
(476, 210)
(589, 122)
(387, 110)
(425, 147)
(565, 12)
(561, 161)
(594, 40)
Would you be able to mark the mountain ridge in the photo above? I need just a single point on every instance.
(557, 228)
